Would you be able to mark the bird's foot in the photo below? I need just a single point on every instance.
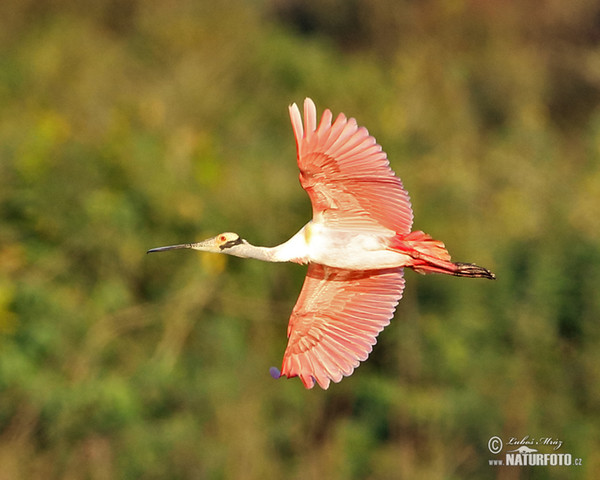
(472, 270)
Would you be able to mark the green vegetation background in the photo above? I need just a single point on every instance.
(130, 125)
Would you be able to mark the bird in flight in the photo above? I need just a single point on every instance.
(356, 247)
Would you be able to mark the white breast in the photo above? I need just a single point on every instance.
(352, 250)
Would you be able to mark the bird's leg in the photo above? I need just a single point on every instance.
(430, 256)
(424, 264)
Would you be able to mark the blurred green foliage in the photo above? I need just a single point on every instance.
(129, 125)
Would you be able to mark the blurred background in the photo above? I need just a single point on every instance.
(130, 125)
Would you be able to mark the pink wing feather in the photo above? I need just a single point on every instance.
(336, 321)
(347, 175)
(339, 313)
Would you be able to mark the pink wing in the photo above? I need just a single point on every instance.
(347, 175)
(336, 321)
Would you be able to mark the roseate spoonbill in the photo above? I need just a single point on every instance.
(356, 247)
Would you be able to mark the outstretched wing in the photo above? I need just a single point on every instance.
(347, 175)
(336, 320)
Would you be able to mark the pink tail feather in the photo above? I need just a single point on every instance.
(430, 256)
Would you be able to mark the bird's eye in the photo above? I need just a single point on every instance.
(222, 238)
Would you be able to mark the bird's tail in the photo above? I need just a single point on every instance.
(430, 256)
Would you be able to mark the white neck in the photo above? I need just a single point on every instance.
(294, 250)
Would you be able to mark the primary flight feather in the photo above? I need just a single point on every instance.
(356, 246)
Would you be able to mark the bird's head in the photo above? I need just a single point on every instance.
(222, 243)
